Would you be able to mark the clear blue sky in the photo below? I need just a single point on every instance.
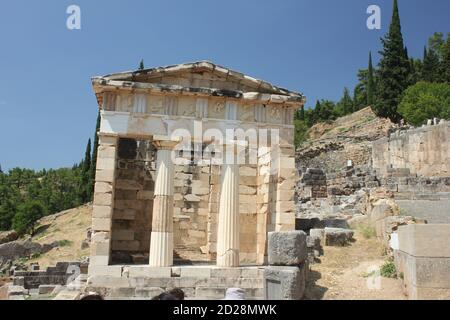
(48, 109)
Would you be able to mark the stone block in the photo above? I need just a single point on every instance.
(16, 291)
(46, 289)
(380, 211)
(105, 140)
(210, 293)
(106, 151)
(102, 212)
(98, 260)
(103, 199)
(104, 176)
(284, 283)
(152, 272)
(287, 248)
(110, 271)
(149, 292)
(101, 224)
(106, 163)
(338, 237)
(425, 240)
(317, 233)
(103, 187)
(200, 272)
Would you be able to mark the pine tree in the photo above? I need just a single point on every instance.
(370, 83)
(431, 65)
(393, 71)
(345, 105)
(317, 111)
(445, 65)
(141, 65)
(94, 152)
(1, 171)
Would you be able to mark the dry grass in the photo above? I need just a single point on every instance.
(343, 273)
(69, 229)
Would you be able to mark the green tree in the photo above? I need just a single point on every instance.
(141, 65)
(392, 72)
(431, 66)
(85, 180)
(360, 91)
(94, 152)
(445, 65)
(345, 105)
(28, 214)
(425, 101)
(370, 83)
(300, 134)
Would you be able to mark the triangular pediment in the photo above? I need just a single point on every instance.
(202, 74)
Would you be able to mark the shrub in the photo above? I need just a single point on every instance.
(368, 232)
(64, 243)
(388, 270)
(424, 101)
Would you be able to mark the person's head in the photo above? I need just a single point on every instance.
(92, 296)
(177, 293)
(165, 296)
(235, 294)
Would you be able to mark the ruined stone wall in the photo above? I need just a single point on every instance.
(424, 151)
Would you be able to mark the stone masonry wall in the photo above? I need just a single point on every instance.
(424, 151)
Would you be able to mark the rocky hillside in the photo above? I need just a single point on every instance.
(59, 237)
(331, 145)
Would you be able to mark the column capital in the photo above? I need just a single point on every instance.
(165, 142)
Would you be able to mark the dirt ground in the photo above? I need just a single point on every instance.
(345, 273)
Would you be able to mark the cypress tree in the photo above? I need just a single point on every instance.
(393, 71)
(94, 152)
(141, 65)
(84, 188)
(370, 83)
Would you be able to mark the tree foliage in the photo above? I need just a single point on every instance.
(424, 101)
(393, 70)
(28, 214)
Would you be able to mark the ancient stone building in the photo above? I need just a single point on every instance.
(165, 192)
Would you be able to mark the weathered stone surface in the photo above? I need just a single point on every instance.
(284, 283)
(46, 289)
(425, 240)
(8, 236)
(287, 248)
(16, 291)
(338, 237)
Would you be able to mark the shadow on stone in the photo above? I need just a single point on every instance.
(313, 290)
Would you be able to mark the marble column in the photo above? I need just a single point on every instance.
(228, 225)
(161, 240)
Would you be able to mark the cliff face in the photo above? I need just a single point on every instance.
(331, 145)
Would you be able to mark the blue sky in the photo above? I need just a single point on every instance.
(48, 109)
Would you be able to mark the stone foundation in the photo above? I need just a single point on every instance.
(423, 261)
(198, 282)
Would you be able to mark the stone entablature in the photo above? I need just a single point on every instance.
(219, 108)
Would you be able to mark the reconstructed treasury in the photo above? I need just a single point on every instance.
(195, 167)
